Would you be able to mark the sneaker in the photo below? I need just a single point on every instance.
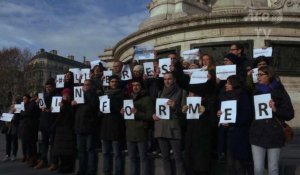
(6, 158)
(13, 158)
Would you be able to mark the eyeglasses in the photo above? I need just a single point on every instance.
(261, 74)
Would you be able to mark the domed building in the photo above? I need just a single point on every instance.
(213, 25)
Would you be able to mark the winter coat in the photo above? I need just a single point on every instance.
(171, 129)
(200, 137)
(137, 129)
(113, 124)
(236, 135)
(268, 133)
(86, 119)
(64, 141)
(29, 120)
(47, 119)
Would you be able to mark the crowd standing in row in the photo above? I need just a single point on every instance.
(195, 144)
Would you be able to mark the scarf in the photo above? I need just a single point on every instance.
(267, 88)
(168, 92)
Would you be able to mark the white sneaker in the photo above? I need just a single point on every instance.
(6, 158)
(13, 158)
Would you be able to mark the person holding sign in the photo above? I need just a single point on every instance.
(113, 128)
(64, 141)
(137, 129)
(47, 124)
(266, 135)
(86, 129)
(233, 138)
(29, 129)
(207, 62)
(97, 78)
(200, 136)
(169, 132)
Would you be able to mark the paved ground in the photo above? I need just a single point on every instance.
(290, 162)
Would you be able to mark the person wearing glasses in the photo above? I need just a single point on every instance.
(266, 135)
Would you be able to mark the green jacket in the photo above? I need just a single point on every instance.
(137, 129)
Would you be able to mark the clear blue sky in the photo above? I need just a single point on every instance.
(77, 27)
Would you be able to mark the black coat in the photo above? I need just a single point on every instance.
(47, 119)
(28, 129)
(64, 142)
(86, 115)
(268, 133)
(113, 124)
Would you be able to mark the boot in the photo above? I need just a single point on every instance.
(40, 165)
(53, 167)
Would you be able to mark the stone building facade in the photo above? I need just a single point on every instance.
(45, 65)
(212, 25)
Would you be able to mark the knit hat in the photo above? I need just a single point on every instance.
(232, 57)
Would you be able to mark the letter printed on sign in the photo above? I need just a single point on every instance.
(41, 100)
(6, 117)
(262, 108)
(162, 109)
(164, 66)
(55, 104)
(85, 74)
(76, 73)
(104, 104)
(60, 81)
(223, 72)
(126, 72)
(228, 109)
(149, 69)
(106, 75)
(193, 104)
(128, 105)
(78, 94)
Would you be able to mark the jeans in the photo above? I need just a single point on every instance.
(87, 154)
(11, 141)
(259, 154)
(165, 146)
(107, 147)
(136, 151)
(47, 139)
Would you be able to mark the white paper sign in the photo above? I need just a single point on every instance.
(254, 75)
(262, 108)
(60, 81)
(199, 77)
(190, 55)
(18, 108)
(104, 104)
(85, 74)
(223, 72)
(6, 117)
(22, 106)
(76, 72)
(143, 52)
(128, 105)
(41, 100)
(55, 104)
(162, 109)
(164, 66)
(228, 109)
(126, 72)
(78, 94)
(106, 75)
(193, 104)
(191, 71)
(267, 52)
(149, 69)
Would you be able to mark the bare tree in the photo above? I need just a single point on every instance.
(12, 67)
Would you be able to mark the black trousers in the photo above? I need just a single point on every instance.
(11, 144)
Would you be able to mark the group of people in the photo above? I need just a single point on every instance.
(195, 144)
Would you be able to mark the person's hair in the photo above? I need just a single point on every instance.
(239, 46)
(27, 96)
(260, 59)
(234, 81)
(50, 81)
(113, 77)
(212, 62)
(269, 71)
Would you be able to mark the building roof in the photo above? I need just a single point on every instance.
(59, 59)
